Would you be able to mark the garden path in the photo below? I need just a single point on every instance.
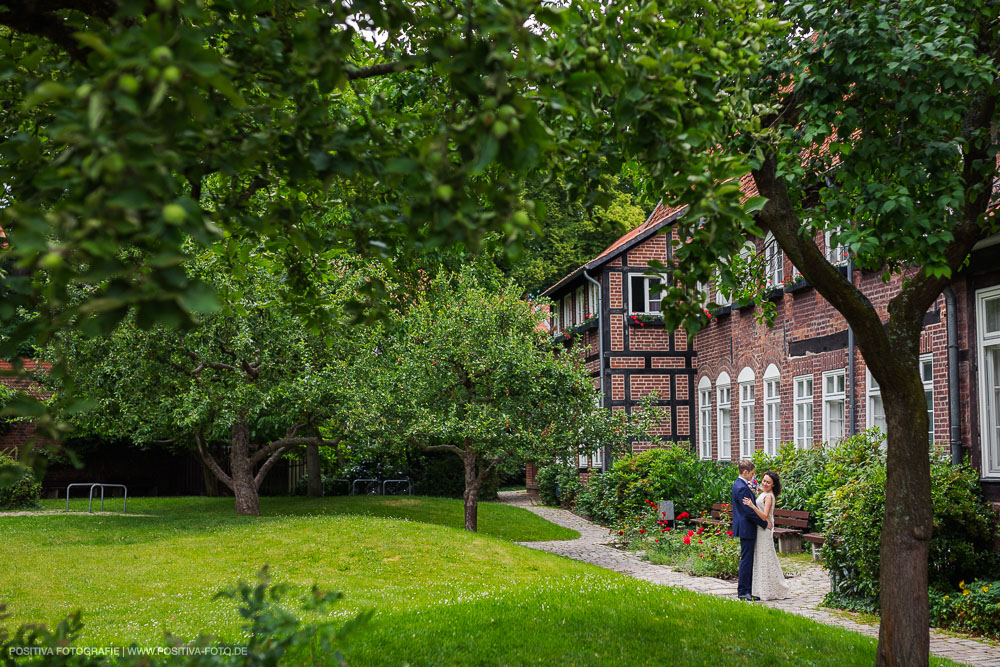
(809, 585)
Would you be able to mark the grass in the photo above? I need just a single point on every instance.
(440, 595)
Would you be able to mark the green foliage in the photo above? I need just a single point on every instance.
(961, 546)
(973, 608)
(570, 236)
(558, 484)
(709, 552)
(21, 490)
(665, 473)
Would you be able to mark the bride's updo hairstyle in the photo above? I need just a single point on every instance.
(776, 489)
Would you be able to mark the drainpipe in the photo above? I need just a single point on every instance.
(852, 427)
(956, 427)
(600, 359)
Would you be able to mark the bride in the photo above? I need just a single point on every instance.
(768, 580)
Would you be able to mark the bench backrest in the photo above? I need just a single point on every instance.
(791, 518)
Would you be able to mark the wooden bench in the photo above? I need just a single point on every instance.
(788, 525)
(816, 540)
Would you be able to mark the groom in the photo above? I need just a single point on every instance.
(745, 522)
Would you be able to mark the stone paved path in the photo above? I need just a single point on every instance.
(808, 587)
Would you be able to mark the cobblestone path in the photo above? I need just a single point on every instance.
(809, 585)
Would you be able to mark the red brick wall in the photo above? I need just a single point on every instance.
(21, 433)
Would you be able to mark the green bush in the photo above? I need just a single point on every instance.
(961, 547)
(668, 473)
(558, 484)
(974, 609)
(18, 488)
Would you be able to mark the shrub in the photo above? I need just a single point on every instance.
(974, 609)
(558, 484)
(18, 487)
(960, 548)
(669, 473)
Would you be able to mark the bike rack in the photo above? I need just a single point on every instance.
(409, 486)
(92, 485)
(367, 481)
(346, 482)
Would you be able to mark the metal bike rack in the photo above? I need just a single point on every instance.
(367, 481)
(346, 482)
(409, 486)
(92, 486)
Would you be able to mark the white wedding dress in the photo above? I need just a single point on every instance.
(768, 580)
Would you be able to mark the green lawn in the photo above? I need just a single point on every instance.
(440, 595)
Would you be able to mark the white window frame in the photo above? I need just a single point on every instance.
(593, 299)
(803, 403)
(873, 391)
(567, 313)
(579, 306)
(705, 418)
(772, 409)
(774, 261)
(838, 254)
(720, 298)
(724, 419)
(988, 348)
(927, 379)
(748, 425)
(833, 397)
(645, 295)
(597, 458)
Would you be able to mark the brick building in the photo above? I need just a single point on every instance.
(743, 386)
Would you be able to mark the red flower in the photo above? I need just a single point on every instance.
(690, 533)
(701, 529)
(642, 530)
(657, 540)
(699, 541)
(664, 514)
(683, 515)
(621, 532)
(729, 533)
(667, 528)
(687, 540)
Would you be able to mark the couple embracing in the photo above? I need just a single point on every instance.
(760, 576)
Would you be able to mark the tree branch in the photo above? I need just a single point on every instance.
(443, 448)
(210, 461)
(264, 451)
(355, 73)
(264, 469)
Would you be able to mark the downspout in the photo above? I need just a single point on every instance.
(600, 358)
(956, 426)
(852, 427)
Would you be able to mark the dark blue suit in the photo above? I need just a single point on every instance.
(745, 522)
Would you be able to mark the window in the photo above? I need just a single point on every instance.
(876, 409)
(593, 300)
(722, 298)
(988, 319)
(705, 418)
(597, 458)
(581, 306)
(804, 411)
(774, 261)
(833, 406)
(747, 424)
(644, 294)
(724, 428)
(927, 379)
(835, 254)
(555, 317)
(772, 409)
(567, 314)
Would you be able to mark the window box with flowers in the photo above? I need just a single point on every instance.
(645, 321)
(589, 322)
(795, 283)
(723, 311)
(561, 336)
(776, 294)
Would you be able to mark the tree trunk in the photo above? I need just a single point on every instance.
(244, 486)
(906, 528)
(471, 494)
(314, 477)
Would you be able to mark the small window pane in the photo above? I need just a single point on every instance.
(992, 315)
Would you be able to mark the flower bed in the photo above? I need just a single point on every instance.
(974, 608)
